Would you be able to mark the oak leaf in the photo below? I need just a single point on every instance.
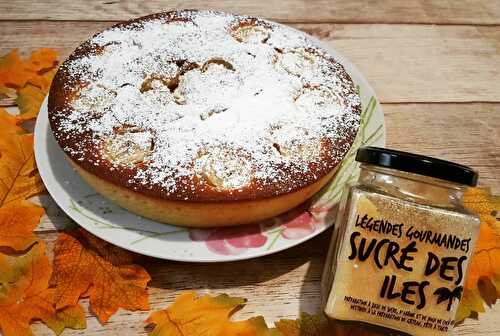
(17, 221)
(19, 178)
(25, 296)
(485, 263)
(207, 316)
(87, 266)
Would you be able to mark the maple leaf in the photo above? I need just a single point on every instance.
(25, 296)
(86, 265)
(15, 72)
(19, 178)
(42, 59)
(17, 221)
(12, 70)
(207, 316)
(485, 263)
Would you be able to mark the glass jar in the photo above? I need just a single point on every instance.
(401, 245)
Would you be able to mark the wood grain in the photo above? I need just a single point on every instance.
(465, 133)
(404, 63)
(486, 12)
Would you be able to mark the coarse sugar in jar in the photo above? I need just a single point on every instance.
(401, 245)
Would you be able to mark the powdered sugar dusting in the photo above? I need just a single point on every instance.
(219, 100)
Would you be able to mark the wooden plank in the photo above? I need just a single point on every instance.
(404, 63)
(407, 63)
(289, 279)
(338, 11)
(465, 133)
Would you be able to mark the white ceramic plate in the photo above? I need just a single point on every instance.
(118, 226)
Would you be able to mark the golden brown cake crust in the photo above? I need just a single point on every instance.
(85, 146)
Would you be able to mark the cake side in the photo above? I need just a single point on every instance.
(201, 214)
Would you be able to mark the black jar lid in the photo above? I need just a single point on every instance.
(418, 164)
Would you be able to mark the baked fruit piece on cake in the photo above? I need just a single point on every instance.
(201, 118)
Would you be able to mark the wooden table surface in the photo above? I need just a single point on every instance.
(435, 66)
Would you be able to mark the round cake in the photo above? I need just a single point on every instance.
(202, 118)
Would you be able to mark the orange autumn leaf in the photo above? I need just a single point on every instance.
(485, 263)
(207, 316)
(43, 81)
(15, 72)
(6, 121)
(17, 221)
(42, 59)
(29, 99)
(87, 266)
(19, 178)
(25, 296)
(12, 70)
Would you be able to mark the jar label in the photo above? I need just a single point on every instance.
(400, 265)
